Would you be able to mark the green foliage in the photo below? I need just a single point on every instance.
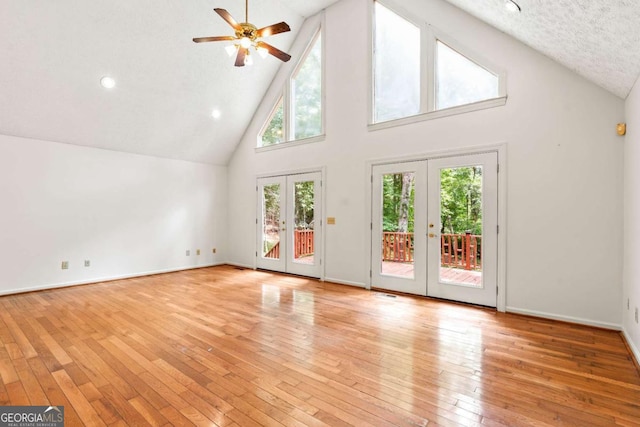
(304, 204)
(393, 203)
(307, 94)
(461, 200)
(272, 202)
(273, 134)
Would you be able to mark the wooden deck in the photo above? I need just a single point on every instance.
(447, 274)
(227, 347)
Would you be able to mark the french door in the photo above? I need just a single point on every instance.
(289, 228)
(434, 228)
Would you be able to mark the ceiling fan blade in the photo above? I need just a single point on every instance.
(242, 53)
(282, 56)
(213, 39)
(227, 17)
(281, 27)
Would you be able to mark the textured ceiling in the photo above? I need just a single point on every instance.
(55, 52)
(598, 39)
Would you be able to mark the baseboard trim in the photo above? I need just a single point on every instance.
(632, 347)
(569, 319)
(237, 264)
(104, 279)
(345, 282)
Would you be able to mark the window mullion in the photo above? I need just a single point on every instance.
(287, 106)
(428, 86)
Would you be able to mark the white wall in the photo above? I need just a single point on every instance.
(564, 205)
(128, 214)
(632, 220)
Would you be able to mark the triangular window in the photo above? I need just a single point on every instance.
(274, 132)
(306, 94)
(461, 81)
(298, 114)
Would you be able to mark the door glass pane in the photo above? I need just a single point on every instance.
(271, 221)
(461, 226)
(396, 66)
(398, 196)
(303, 233)
(460, 81)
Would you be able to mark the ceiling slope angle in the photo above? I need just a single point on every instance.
(598, 39)
(166, 86)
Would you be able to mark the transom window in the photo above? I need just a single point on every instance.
(417, 70)
(298, 113)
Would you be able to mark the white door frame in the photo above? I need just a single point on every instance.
(320, 212)
(501, 150)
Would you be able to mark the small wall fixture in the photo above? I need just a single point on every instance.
(621, 128)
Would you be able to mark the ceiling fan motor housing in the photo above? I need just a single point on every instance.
(247, 30)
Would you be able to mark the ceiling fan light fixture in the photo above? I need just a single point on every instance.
(262, 52)
(248, 60)
(512, 6)
(245, 42)
(232, 49)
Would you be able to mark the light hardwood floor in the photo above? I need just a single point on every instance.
(229, 347)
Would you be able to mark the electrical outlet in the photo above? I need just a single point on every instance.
(65, 265)
(214, 250)
(188, 252)
(87, 263)
(197, 251)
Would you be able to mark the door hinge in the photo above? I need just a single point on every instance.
(256, 221)
(320, 223)
(371, 225)
(497, 229)
(497, 291)
(256, 188)
(256, 254)
(370, 274)
(372, 179)
(498, 168)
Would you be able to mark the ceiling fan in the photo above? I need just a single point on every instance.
(247, 36)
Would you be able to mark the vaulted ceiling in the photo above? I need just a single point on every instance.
(598, 39)
(55, 52)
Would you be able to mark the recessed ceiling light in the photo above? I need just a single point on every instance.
(216, 114)
(512, 6)
(107, 82)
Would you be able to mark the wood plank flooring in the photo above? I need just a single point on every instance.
(227, 347)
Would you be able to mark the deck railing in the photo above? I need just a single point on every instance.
(461, 251)
(457, 250)
(302, 245)
(274, 252)
(397, 247)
